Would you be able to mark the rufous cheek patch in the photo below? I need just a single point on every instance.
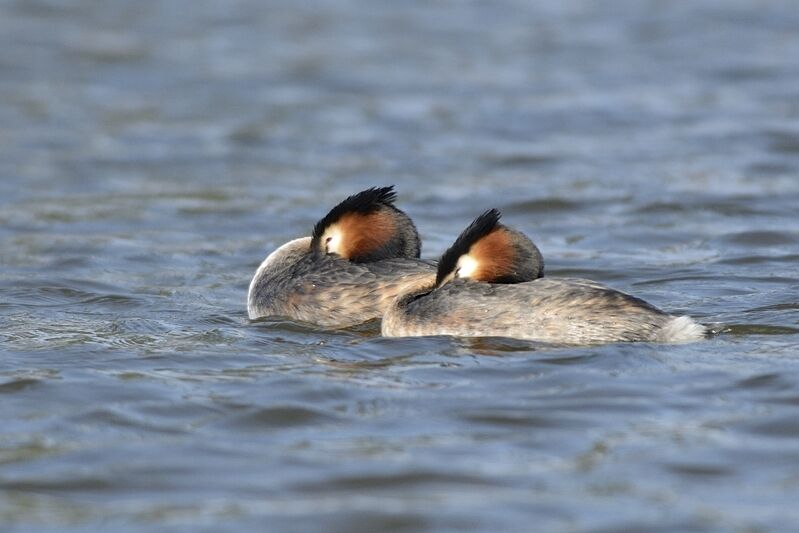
(362, 233)
(494, 254)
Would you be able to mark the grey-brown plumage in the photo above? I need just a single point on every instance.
(567, 311)
(327, 290)
(563, 311)
(376, 259)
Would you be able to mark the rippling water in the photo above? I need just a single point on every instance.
(151, 154)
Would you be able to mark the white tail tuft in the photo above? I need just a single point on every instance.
(682, 329)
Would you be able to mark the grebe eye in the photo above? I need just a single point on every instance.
(327, 241)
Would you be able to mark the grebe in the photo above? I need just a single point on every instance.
(487, 285)
(361, 255)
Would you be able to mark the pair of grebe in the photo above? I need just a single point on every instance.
(362, 262)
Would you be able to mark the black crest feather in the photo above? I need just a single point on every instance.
(367, 201)
(479, 228)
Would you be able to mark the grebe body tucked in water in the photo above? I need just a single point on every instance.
(487, 285)
(361, 255)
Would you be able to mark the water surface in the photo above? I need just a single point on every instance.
(151, 154)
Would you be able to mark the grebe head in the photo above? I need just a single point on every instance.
(491, 252)
(367, 227)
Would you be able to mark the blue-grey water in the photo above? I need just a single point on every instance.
(153, 153)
